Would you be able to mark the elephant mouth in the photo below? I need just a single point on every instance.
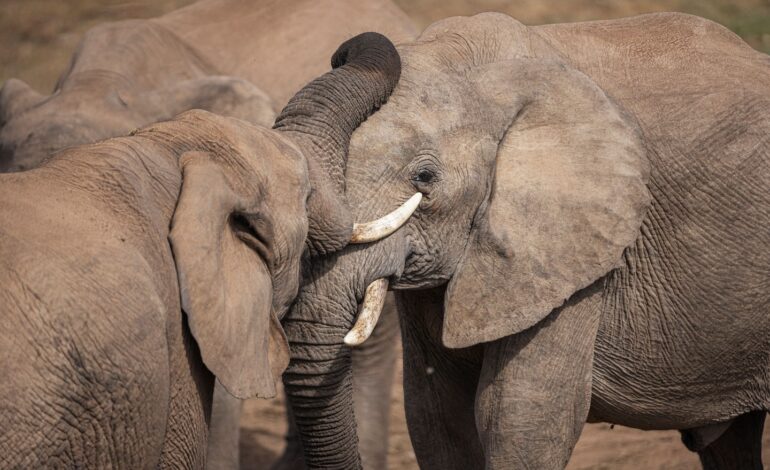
(424, 267)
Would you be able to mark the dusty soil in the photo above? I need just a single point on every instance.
(601, 447)
(38, 37)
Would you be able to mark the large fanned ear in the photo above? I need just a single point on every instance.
(225, 284)
(568, 196)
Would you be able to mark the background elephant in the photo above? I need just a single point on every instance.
(213, 55)
(588, 235)
(231, 57)
(101, 369)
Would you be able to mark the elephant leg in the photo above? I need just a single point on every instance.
(373, 369)
(740, 446)
(224, 432)
(292, 457)
(535, 388)
(439, 386)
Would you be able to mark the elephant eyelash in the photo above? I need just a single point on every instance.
(256, 232)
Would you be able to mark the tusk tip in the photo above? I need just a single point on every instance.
(353, 339)
(371, 307)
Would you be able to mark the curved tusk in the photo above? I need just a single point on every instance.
(384, 226)
(371, 307)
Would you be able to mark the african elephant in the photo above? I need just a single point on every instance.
(588, 240)
(104, 245)
(213, 55)
(231, 57)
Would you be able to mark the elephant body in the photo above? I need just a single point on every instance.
(701, 238)
(590, 243)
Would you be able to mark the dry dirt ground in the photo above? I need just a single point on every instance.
(37, 38)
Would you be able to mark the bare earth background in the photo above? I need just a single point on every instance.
(39, 36)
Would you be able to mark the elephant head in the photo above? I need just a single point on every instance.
(524, 182)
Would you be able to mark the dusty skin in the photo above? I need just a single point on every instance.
(263, 423)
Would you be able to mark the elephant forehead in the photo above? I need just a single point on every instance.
(276, 160)
(423, 85)
(417, 115)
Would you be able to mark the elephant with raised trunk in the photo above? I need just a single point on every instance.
(105, 245)
(576, 229)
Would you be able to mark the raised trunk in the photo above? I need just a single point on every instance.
(321, 118)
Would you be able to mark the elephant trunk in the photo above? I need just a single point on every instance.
(323, 115)
(318, 381)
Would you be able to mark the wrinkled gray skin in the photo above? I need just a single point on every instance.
(102, 368)
(592, 244)
(230, 57)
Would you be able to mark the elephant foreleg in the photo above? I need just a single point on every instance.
(189, 410)
(292, 457)
(740, 446)
(439, 386)
(535, 388)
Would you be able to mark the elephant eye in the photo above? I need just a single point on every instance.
(424, 176)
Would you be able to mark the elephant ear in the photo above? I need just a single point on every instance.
(15, 98)
(568, 195)
(225, 286)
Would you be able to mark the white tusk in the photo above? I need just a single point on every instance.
(384, 226)
(371, 307)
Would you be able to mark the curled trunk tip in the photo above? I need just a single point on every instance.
(322, 117)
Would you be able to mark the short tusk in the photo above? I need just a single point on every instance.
(384, 226)
(371, 307)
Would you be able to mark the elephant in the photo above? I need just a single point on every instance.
(105, 245)
(574, 220)
(211, 55)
